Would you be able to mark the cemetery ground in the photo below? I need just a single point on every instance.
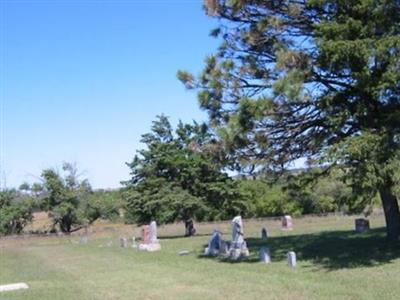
(334, 262)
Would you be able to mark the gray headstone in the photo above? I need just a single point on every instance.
(265, 255)
(214, 244)
(238, 247)
(83, 240)
(362, 225)
(264, 234)
(237, 232)
(123, 242)
(291, 257)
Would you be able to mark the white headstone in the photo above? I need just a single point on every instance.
(291, 257)
(153, 232)
(13, 287)
(265, 255)
(287, 222)
(238, 247)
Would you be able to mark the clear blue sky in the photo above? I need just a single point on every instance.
(82, 80)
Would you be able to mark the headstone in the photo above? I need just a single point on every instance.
(224, 250)
(134, 245)
(362, 225)
(146, 234)
(264, 234)
(13, 287)
(265, 255)
(287, 223)
(184, 252)
(149, 238)
(123, 242)
(291, 257)
(238, 247)
(83, 240)
(214, 244)
(153, 232)
(189, 228)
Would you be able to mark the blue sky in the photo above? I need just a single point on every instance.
(82, 80)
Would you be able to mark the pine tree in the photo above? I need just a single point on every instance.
(315, 79)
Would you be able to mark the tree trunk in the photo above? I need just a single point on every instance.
(392, 214)
(189, 228)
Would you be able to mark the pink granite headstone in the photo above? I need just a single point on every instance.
(146, 234)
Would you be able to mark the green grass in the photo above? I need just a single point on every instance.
(333, 263)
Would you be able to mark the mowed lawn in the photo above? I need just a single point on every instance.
(334, 262)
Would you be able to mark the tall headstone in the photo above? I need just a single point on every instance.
(153, 232)
(134, 245)
(265, 255)
(287, 222)
(291, 257)
(264, 234)
(238, 246)
(149, 238)
(146, 234)
(362, 225)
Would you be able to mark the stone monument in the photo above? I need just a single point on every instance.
(362, 225)
(291, 257)
(264, 234)
(123, 242)
(149, 238)
(214, 244)
(238, 247)
(287, 223)
(265, 255)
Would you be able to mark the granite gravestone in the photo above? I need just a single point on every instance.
(287, 223)
(149, 238)
(214, 244)
(265, 256)
(362, 225)
(264, 234)
(291, 257)
(238, 246)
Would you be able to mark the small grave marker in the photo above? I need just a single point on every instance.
(362, 225)
(13, 287)
(264, 234)
(287, 222)
(265, 255)
(291, 257)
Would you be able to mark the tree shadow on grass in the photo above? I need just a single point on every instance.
(169, 237)
(329, 250)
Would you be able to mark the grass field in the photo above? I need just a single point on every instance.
(334, 262)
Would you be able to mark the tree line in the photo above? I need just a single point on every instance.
(312, 79)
